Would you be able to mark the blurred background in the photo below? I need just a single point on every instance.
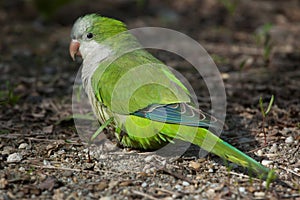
(238, 34)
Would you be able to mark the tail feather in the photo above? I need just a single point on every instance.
(211, 143)
(221, 148)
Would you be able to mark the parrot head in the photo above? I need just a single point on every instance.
(90, 30)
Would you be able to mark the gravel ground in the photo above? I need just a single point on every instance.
(43, 157)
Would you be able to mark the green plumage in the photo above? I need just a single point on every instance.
(134, 81)
(142, 95)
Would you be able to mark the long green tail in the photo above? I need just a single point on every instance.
(228, 152)
(211, 143)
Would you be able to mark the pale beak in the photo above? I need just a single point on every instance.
(74, 49)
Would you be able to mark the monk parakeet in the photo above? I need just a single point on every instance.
(139, 96)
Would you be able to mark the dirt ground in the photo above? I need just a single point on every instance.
(256, 46)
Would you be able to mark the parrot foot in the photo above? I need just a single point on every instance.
(122, 134)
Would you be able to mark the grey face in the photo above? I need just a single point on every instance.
(80, 27)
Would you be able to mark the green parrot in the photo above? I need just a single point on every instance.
(139, 96)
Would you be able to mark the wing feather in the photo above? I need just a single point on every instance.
(177, 113)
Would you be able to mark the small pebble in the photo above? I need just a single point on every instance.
(264, 184)
(46, 163)
(106, 198)
(266, 162)
(101, 186)
(22, 169)
(210, 170)
(7, 150)
(296, 169)
(67, 173)
(259, 152)
(60, 152)
(144, 184)
(225, 75)
(185, 183)
(259, 194)
(242, 189)
(210, 193)
(196, 197)
(195, 165)
(274, 148)
(178, 187)
(3, 183)
(125, 192)
(289, 140)
(23, 146)
(148, 158)
(88, 166)
(146, 168)
(109, 146)
(103, 156)
(285, 131)
(152, 184)
(112, 184)
(85, 150)
(43, 177)
(14, 158)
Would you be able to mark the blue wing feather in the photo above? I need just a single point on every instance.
(178, 113)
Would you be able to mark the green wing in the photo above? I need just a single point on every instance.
(134, 81)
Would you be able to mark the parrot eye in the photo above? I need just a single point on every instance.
(89, 35)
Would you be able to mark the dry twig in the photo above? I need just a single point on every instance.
(176, 175)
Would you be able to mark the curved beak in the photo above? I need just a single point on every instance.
(74, 49)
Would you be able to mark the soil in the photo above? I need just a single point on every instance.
(256, 46)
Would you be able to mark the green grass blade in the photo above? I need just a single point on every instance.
(100, 129)
(262, 107)
(270, 105)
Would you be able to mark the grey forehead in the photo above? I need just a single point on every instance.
(80, 26)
